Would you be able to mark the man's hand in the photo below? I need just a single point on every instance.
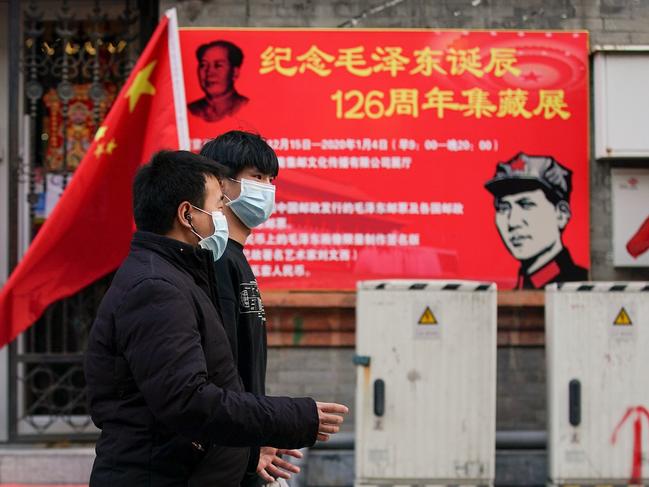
(272, 467)
(330, 416)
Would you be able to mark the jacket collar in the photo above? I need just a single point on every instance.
(546, 274)
(190, 258)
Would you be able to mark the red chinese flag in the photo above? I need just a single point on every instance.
(89, 232)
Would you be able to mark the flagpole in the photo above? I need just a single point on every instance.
(177, 80)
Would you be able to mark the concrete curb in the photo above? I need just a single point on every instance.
(33, 465)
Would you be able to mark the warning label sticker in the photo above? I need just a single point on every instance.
(427, 317)
(623, 318)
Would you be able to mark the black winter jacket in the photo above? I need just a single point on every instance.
(162, 383)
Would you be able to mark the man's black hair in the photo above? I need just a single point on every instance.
(235, 54)
(238, 150)
(170, 178)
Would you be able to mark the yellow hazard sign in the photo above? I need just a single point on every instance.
(623, 318)
(427, 317)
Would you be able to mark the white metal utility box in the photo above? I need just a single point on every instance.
(426, 383)
(597, 346)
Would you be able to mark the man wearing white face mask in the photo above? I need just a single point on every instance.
(249, 201)
(162, 383)
(217, 241)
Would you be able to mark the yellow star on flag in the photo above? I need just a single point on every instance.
(101, 131)
(111, 146)
(99, 150)
(140, 86)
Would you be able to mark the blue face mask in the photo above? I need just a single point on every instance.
(255, 203)
(219, 239)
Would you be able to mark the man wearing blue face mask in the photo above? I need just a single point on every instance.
(217, 241)
(162, 383)
(249, 201)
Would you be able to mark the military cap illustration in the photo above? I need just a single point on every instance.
(532, 202)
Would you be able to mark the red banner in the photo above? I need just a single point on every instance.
(407, 154)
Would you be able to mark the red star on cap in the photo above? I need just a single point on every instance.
(518, 165)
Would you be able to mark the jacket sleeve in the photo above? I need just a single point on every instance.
(253, 461)
(157, 332)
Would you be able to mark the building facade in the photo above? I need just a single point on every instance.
(312, 335)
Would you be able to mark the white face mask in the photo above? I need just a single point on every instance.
(219, 239)
(255, 203)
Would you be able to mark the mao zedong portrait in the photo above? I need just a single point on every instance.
(532, 205)
(219, 64)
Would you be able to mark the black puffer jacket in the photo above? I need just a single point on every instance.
(162, 383)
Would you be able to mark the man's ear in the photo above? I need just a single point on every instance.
(235, 73)
(184, 215)
(229, 187)
(563, 214)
